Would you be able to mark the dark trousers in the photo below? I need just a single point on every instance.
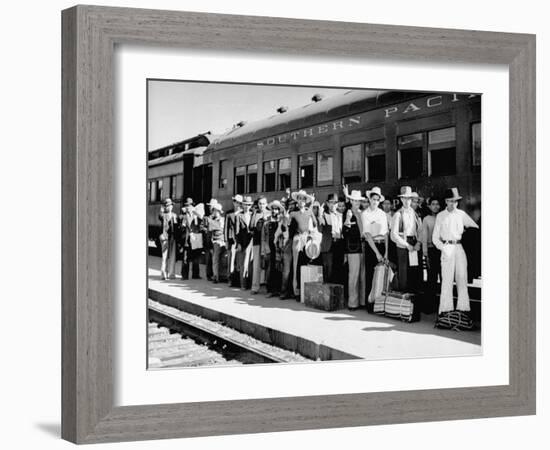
(409, 278)
(370, 263)
(209, 268)
(434, 274)
(286, 282)
(273, 274)
(190, 257)
(333, 262)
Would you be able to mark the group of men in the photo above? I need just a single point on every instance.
(261, 242)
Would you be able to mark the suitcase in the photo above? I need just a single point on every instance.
(309, 273)
(325, 296)
(401, 305)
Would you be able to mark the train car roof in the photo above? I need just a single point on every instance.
(350, 102)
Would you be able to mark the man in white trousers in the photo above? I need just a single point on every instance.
(447, 234)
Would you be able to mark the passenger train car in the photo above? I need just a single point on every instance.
(361, 138)
(176, 171)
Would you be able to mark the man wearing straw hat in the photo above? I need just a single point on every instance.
(215, 231)
(405, 232)
(190, 224)
(230, 234)
(243, 239)
(274, 259)
(256, 224)
(167, 239)
(447, 237)
(301, 222)
(375, 232)
(352, 232)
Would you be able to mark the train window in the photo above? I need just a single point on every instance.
(223, 174)
(160, 189)
(252, 178)
(376, 167)
(324, 168)
(150, 187)
(285, 171)
(375, 161)
(409, 155)
(240, 178)
(173, 187)
(442, 152)
(351, 163)
(476, 145)
(179, 186)
(270, 176)
(307, 170)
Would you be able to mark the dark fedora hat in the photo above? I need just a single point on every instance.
(452, 194)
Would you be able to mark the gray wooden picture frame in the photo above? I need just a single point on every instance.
(89, 37)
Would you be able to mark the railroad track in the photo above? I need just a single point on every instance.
(180, 339)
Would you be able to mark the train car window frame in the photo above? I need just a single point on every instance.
(222, 174)
(373, 153)
(475, 167)
(284, 172)
(236, 189)
(358, 173)
(313, 158)
(410, 147)
(173, 186)
(271, 171)
(442, 146)
(329, 154)
(252, 170)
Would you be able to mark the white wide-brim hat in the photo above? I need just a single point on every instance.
(375, 190)
(407, 192)
(276, 204)
(355, 195)
(216, 205)
(301, 193)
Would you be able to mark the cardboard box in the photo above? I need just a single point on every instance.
(307, 274)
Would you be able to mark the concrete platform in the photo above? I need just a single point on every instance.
(312, 333)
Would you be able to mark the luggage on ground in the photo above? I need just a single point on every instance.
(401, 305)
(325, 296)
(309, 273)
(379, 281)
(391, 303)
(454, 320)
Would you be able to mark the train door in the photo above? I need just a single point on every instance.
(207, 182)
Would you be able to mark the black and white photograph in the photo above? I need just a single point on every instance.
(293, 224)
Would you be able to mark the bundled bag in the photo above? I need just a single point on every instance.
(401, 305)
(383, 275)
(454, 320)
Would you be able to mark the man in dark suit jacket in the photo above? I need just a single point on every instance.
(230, 234)
(243, 238)
(189, 223)
(330, 226)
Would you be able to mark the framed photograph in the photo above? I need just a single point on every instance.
(268, 230)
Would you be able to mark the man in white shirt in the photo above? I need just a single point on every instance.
(405, 232)
(375, 232)
(447, 235)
